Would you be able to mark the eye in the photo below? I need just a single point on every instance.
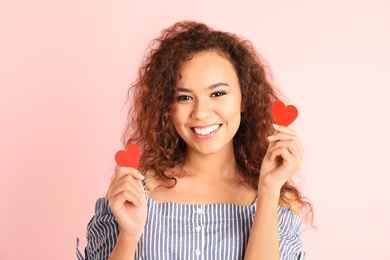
(183, 98)
(218, 94)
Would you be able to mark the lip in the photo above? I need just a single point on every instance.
(208, 136)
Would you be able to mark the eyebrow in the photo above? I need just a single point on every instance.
(211, 87)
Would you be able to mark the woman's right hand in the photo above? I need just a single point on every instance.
(127, 200)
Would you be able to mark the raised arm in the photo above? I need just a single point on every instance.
(127, 201)
(283, 158)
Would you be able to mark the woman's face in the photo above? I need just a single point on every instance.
(207, 111)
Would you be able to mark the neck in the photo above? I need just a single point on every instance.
(212, 167)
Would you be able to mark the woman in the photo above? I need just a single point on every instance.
(213, 179)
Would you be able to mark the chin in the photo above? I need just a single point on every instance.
(210, 149)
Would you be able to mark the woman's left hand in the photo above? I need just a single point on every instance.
(283, 158)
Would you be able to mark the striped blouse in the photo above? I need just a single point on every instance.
(201, 232)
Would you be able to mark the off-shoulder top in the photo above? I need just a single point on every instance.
(183, 231)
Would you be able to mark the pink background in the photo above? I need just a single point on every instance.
(65, 67)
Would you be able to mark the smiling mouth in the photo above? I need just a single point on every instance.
(205, 130)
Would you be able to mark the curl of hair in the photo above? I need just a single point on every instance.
(153, 93)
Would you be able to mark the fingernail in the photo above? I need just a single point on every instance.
(276, 126)
(270, 138)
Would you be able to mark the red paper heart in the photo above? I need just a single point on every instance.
(128, 158)
(283, 115)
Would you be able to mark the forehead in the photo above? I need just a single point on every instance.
(207, 66)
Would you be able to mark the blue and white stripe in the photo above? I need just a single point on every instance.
(198, 232)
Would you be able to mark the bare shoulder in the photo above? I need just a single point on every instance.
(291, 202)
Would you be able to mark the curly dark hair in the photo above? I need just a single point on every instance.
(150, 123)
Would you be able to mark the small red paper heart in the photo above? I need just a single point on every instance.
(128, 158)
(283, 115)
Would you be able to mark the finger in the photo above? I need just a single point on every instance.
(291, 146)
(279, 138)
(134, 187)
(279, 151)
(283, 129)
(127, 171)
(275, 143)
(289, 161)
(124, 171)
(117, 202)
(121, 177)
(282, 148)
(130, 183)
(127, 183)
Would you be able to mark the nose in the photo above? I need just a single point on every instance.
(202, 109)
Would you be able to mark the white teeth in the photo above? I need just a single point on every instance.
(206, 130)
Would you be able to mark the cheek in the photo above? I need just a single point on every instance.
(233, 112)
(180, 114)
(234, 106)
(174, 121)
